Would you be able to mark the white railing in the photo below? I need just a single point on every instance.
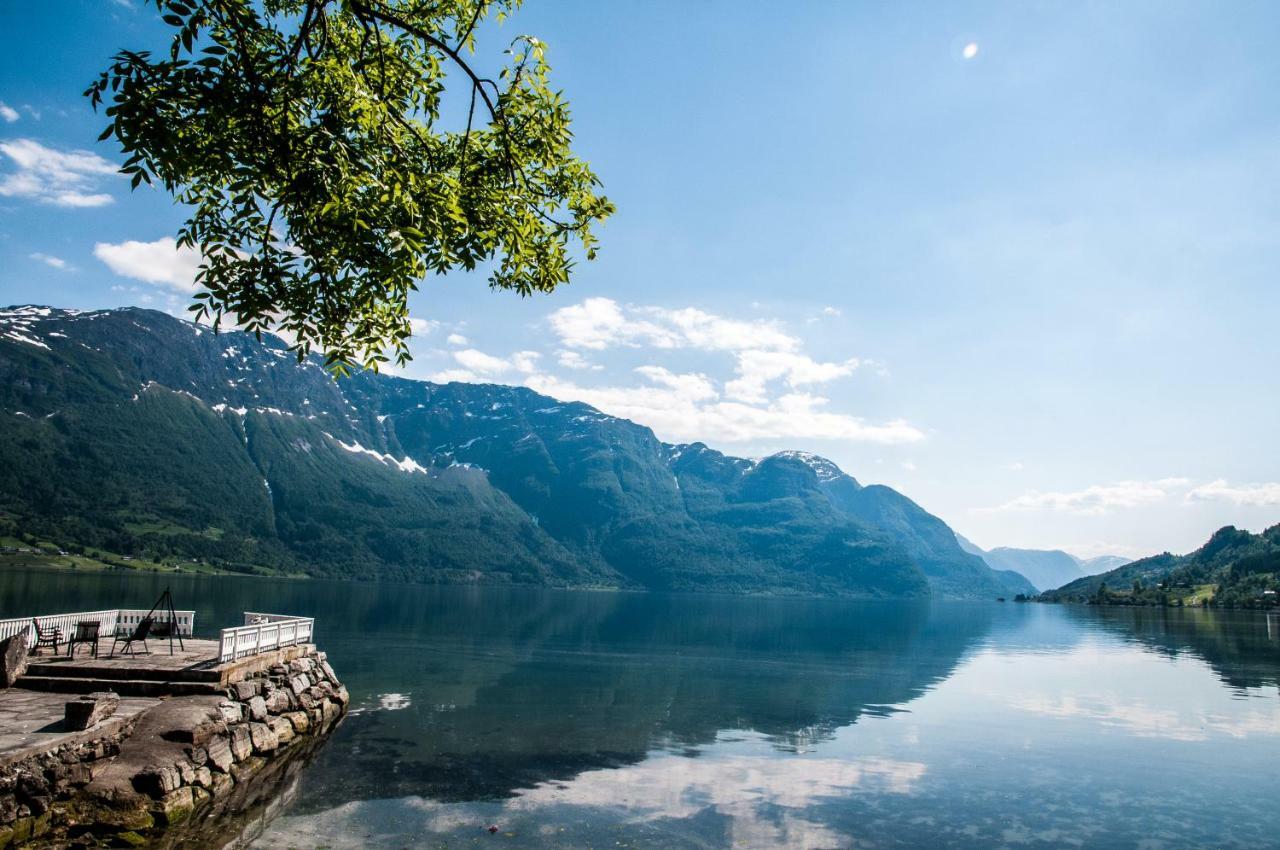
(130, 617)
(262, 633)
(108, 622)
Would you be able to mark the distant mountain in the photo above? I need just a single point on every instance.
(1103, 563)
(142, 434)
(1235, 568)
(1045, 568)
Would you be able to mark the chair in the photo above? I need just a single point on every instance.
(138, 635)
(86, 632)
(51, 636)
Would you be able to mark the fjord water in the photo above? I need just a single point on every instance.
(578, 719)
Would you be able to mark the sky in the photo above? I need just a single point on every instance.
(1016, 260)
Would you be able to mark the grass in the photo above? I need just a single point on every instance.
(1200, 594)
(46, 554)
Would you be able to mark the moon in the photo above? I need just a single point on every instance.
(970, 50)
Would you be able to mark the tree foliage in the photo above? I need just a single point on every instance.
(325, 174)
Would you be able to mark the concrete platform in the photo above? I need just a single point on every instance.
(192, 670)
(31, 722)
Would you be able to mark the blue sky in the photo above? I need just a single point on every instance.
(1034, 289)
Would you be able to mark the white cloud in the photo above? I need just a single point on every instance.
(52, 261)
(599, 323)
(8, 113)
(687, 407)
(832, 311)
(909, 466)
(574, 360)
(448, 375)
(421, 327)
(61, 178)
(1255, 495)
(683, 406)
(479, 363)
(764, 351)
(160, 262)
(1096, 500)
(757, 368)
(457, 339)
(1101, 499)
(699, 329)
(525, 362)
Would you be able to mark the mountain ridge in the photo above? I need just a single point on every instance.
(153, 434)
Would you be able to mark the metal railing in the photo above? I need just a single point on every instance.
(109, 621)
(263, 633)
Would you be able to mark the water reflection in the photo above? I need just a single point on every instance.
(586, 719)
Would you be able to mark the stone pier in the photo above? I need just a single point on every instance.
(191, 743)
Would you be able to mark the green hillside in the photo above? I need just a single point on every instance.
(1235, 569)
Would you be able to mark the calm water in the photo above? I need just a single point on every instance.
(622, 720)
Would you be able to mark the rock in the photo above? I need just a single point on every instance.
(299, 721)
(245, 770)
(187, 771)
(76, 775)
(198, 755)
(222, 783)
(300, 665)
(175, 807)
(342, 696)
(231, 711)
(299, 684)
(257, 709)
(264, 739)
(283, 729)
(245, 691)
(219, 751)
(90, 710)
(241, 743)
(278, 702)
(328, 672)
(13, 659)
(157, 782)
(203, 777)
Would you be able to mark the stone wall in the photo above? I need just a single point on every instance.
(30, 787)
(177, 767)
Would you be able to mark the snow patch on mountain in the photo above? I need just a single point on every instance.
(406, 465)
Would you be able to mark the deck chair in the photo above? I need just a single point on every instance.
(51, 636)
(86, 632)
(138, 635)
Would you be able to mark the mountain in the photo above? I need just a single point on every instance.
(1045, 568)
(1103, 563)
(140, 434)
(1235, 569)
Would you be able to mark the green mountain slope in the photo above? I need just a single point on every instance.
(1234, 569)
(142, 434)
